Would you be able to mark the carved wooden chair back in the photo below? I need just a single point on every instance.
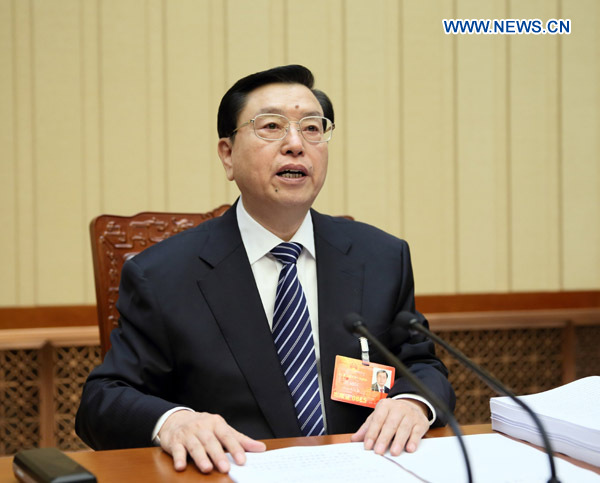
(118, 238)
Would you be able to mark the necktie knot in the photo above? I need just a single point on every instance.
(287, 252)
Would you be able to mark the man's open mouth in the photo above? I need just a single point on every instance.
(291, 173)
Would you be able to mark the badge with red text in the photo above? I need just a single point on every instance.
(362, 383)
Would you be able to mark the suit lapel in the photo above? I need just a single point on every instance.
(230, 290)
(340, 278)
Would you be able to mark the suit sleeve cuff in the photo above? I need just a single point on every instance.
(161, 421)
(432, 412)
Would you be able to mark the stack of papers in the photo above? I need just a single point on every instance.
(494, 459)
(570, 414)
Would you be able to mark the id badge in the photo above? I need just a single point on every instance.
(359, 382)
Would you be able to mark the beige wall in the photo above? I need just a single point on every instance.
(482, 151)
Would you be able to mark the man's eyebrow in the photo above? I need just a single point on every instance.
(276, 110)
(270, 110)
(313, 113)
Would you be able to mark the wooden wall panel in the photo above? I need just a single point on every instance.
(125, 114)
(369, 125)
(484, 152)
(24, 108)
(580, 142)
(155, 98)
(481, 154)
(392, 120)
(534, 153)
(57, 152)
(220, 187)
(8, 168)
(255, 37)
(92, 184)
(428, 183)
(191, 127)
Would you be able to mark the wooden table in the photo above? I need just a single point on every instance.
(149, 465)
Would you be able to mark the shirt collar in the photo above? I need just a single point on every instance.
(258, 241)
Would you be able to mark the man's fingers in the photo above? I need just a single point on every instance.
(230, 441)
(403, 433)
(252, 445)
(394, 424)
(390, 427)
(215, 452)
(179, 454)
(414, 440)
(360, 434)
(199, 455)
(237, 443)
(206, 438)
(380, 422)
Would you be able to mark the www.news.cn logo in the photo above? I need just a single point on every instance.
(507, 26)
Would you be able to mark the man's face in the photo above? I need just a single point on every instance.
(381, 378)
(262, 168)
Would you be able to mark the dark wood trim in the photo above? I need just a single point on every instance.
(496, 302)
(515, 319)
(82, 315)
(38, 337)
(47, 316)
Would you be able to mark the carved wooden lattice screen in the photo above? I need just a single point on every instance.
(587, 349)
(19, 400)
(71, 368)
(526, 360)
(25, 413)
(529, 360)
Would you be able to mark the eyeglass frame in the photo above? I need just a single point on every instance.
(287, 129)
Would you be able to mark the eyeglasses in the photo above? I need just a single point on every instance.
(273, 127)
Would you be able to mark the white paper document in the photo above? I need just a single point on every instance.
(494, 458)
(334, 463)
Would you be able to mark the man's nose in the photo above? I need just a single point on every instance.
(293, 141)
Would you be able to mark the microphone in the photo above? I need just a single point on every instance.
(410, 322)
(355, 325)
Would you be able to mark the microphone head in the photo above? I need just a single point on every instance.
(406, 320)
(352, 322)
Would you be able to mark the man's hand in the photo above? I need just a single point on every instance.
(206, 437)
(401, 422)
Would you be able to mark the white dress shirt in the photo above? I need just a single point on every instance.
(258, 242)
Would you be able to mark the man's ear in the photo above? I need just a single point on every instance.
(225, 148)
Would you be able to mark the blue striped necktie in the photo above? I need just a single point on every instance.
(293, 338)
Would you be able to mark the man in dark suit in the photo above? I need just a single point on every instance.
(193, 365)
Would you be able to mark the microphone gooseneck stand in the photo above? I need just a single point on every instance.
(409, 321)
(354, 324)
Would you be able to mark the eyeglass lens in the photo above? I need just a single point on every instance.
(274, 127)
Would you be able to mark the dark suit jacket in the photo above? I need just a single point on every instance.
(192, 323)
(374, 387)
